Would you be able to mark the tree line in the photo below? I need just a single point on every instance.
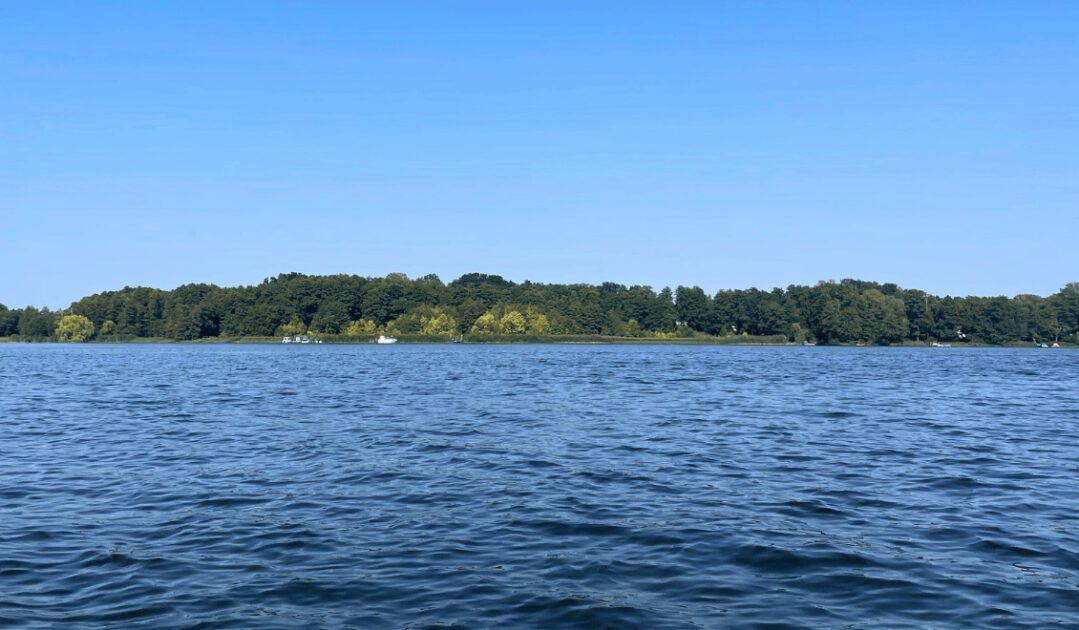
(849, 311)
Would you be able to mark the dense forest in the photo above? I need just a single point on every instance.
(475, 305)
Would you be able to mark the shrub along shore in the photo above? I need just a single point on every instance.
(490, 309)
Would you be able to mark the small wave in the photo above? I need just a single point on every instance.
(809, 508)
(231, 501)
(952, 482)
(838, 415)
(571, 528)
(807, 560)
(998, 547)
(580, 612)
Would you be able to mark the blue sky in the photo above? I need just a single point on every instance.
(722, 144)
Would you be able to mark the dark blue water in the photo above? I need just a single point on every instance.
(588, 486)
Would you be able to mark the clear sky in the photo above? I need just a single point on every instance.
(722, 144)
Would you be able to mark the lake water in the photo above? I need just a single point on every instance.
(506, 486)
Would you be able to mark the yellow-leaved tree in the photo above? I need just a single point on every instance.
(486, 324)
(74, 328)
(538, 324)
(294, 327)
(441, 324)
(513, 323)
(360, 327)
(426, 320)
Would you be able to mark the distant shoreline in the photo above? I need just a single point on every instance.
(490, 309)
(551, 340)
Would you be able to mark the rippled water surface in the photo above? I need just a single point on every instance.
(589, 486)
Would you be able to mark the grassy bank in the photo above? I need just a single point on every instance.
(568, 339)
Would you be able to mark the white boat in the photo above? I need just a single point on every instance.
(385, 339)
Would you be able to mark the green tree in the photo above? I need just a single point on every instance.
(469, 310)
(74, 328)
(331, 317)
(693, 308)
(664, 316)
(771, 319)
(260, 319)
(615, 325)
(884, 317)
(834, 324)
(9, 323)
(36, 324)
(1066, 302)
